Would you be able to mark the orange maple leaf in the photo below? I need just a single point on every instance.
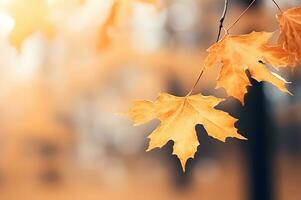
(290, 36)
(250, 51)
(179, 116)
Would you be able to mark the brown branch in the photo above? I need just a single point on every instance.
(221, 21)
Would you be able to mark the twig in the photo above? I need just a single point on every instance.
(221, 21)
(277, 6)
(242, 14)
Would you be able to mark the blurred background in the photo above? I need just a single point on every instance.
(68, 66)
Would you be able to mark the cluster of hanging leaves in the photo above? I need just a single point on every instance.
(180, 115)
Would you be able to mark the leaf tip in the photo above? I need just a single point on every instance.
(183, 164)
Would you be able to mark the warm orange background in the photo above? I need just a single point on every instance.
(68, 66)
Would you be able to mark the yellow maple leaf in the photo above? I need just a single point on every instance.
(179, 116)
(30, 16)
(250, 51)
(290, 36)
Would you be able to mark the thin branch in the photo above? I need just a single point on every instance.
(221, 21)
(242, 14)
(277, 6)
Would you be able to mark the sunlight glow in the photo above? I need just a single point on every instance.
(7, 24)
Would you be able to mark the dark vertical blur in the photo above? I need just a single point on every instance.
(259, 147)
(259, 155)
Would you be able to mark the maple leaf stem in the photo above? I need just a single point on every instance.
(196, 82)
(221, 26)
(222, 19)
(280, 10)
(241, 15)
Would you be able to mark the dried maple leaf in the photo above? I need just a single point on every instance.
(250, 51)
(290, 36)
(179, 116)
